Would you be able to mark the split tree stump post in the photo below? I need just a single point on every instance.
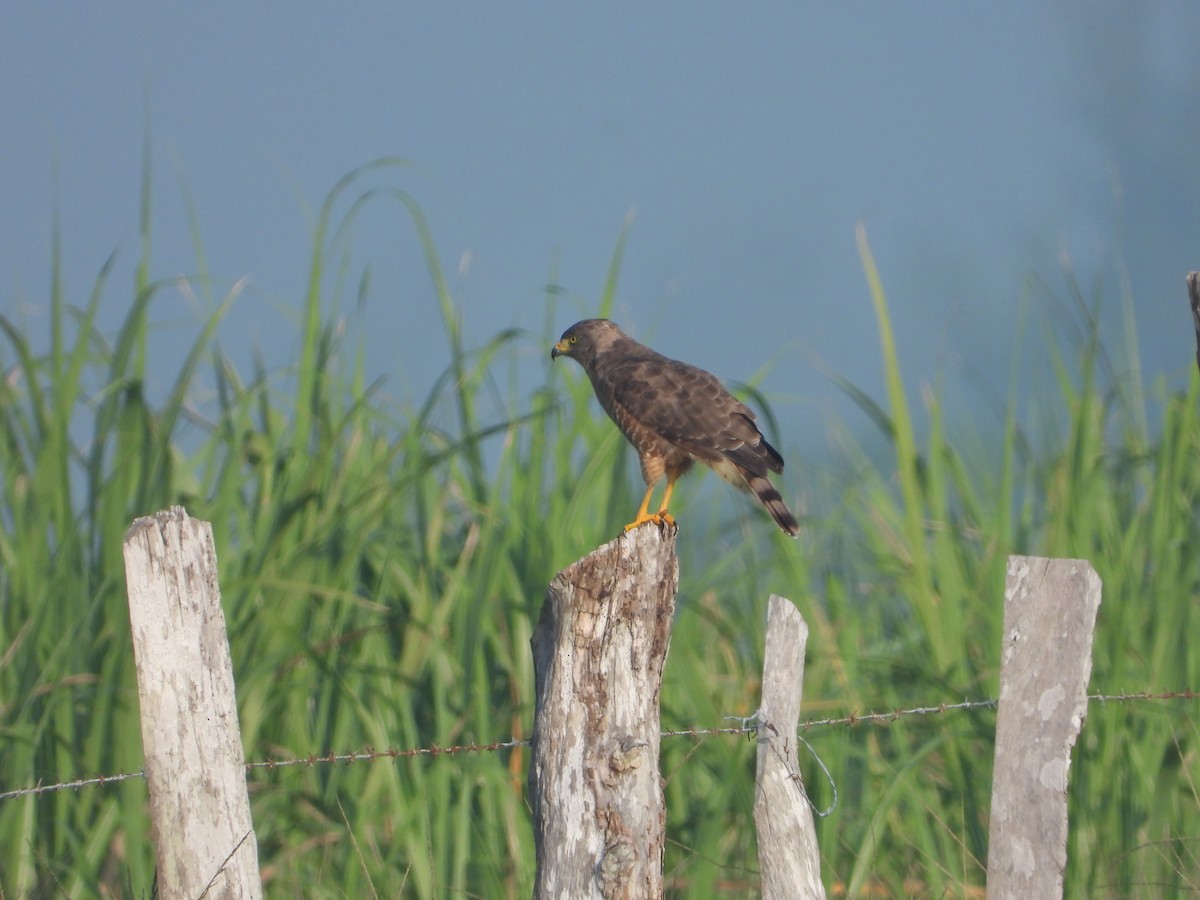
(598, 653)
(195, 768)
(788, 858)
(1050, 610)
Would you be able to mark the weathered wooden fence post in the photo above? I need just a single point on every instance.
(598, 653)
(788, 857)
(1193, 285)
(195, 768)
(1050, 610)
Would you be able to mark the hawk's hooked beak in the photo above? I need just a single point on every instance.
(559, 349)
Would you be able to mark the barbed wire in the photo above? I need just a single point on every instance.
(749, 725)
(369, 754)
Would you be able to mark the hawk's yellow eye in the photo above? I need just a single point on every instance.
(574, 339)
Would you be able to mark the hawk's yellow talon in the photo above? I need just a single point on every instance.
(659, 518)
(643, 518)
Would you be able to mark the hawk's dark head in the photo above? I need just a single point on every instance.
(585, 340)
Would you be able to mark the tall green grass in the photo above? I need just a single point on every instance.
(382, 566)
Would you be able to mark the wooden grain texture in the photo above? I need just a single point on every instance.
(195, 768)
(1050, 608)
(598, 650)
(788, 857)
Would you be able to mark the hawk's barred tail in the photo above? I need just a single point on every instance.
(773, 501)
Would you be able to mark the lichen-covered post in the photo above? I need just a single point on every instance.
(788, 857)
(195, 767)
(1050, 608)
(598, 652)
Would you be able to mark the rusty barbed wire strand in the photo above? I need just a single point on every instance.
(747, 726)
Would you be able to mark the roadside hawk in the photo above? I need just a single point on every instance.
(674, 414)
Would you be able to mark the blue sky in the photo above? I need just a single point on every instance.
(978, 144)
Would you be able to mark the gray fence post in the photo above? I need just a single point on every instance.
(788, 857)
(1050, 610)
(195, 768)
